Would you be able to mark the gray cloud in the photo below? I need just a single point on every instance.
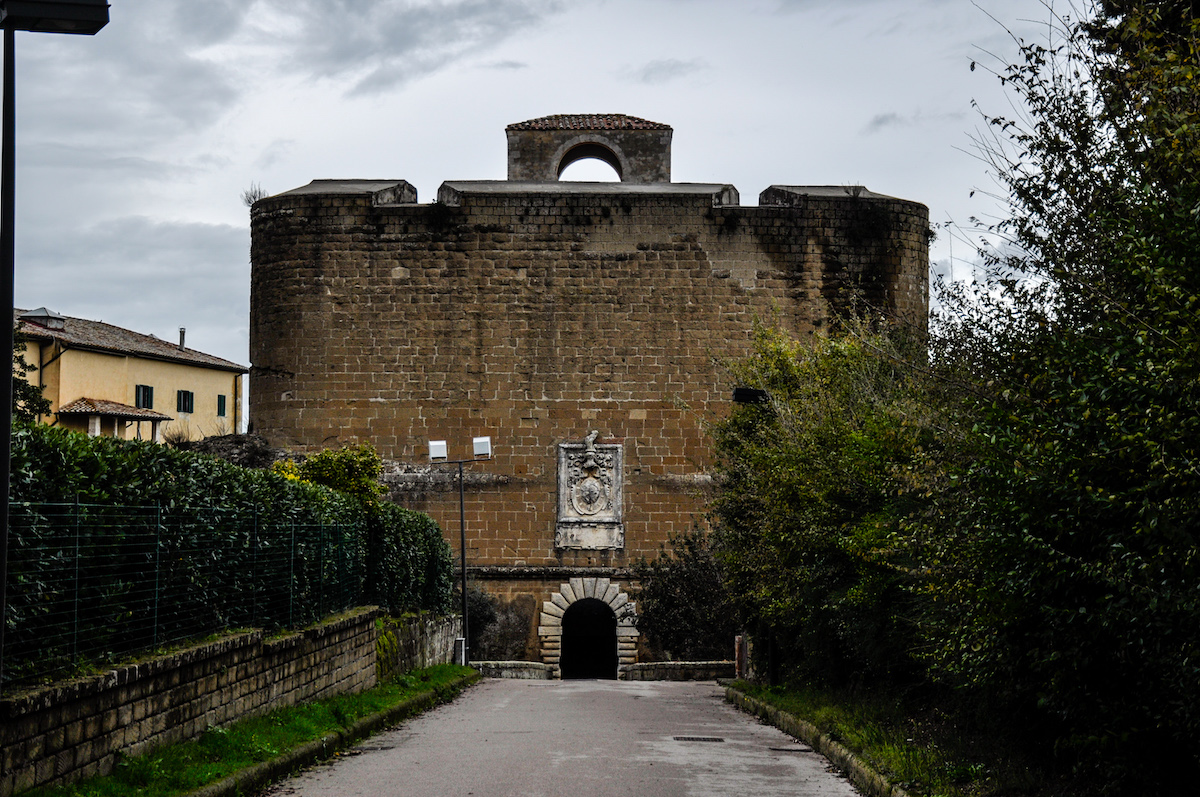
(380, 45)
(210, 22)
(884, 121)
(73, 159)
(148, 275)
(666, 70)
(138, 79)
(273, 152)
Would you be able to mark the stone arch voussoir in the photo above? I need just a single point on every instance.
(577, 589)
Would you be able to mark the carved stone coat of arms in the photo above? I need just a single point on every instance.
(589, 495)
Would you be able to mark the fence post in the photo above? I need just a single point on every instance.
(321, 569)
(75, 608)
(254, 567)
(157, 566)
(292, 578)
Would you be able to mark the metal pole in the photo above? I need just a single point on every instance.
(158, 526)
(462, 563)
(254, 577)
(8, 216)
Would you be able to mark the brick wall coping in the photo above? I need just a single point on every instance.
(323, 628)
(343, 187)
(40, 698)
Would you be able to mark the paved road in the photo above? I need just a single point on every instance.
(535, 738)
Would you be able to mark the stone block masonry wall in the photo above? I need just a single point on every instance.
(536, 318)
(64, 733)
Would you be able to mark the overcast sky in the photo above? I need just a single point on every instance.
(134, 145)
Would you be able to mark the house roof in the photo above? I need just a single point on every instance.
(90, 406)
(80, 333)
(590, 121)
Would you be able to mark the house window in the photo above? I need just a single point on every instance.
(184, 400)
(143, 397)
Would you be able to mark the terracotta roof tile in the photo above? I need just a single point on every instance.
(597, 121)
(96, 335)
(90, 406)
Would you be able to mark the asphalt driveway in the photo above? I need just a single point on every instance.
(535, 738)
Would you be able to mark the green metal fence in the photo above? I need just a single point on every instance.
(89, 584)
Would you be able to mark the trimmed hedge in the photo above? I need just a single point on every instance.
(130, 544)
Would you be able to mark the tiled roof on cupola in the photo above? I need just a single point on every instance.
(590, 121)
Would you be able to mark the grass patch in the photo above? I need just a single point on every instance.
(219, 752)
(925, 752)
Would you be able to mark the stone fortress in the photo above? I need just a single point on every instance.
(579, 325)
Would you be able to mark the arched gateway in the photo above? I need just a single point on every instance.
(586, 605)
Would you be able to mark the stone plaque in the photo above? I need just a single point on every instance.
(589, 495)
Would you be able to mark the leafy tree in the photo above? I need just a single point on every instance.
(684, 606)
(28, 402)
(1021, 525)
(813, 486)
(1067, 573)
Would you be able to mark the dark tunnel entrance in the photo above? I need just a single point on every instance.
(589, 640)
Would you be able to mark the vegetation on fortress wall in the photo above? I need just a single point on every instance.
(1010, 524)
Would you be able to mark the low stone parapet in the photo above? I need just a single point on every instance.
(676, 671)
(521, 670)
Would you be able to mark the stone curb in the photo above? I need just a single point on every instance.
(860, 774)
(263, 774)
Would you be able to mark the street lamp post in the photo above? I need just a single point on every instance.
(83, 17)
(482, 449)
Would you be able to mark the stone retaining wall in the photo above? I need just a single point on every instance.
(677, 671)
(66, 732)
(417, 641)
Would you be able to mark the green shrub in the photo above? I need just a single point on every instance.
(119, 545)
(684, 606)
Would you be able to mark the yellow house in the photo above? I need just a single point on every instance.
(105, 380)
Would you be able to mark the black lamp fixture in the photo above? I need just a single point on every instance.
(82, 17)
(750, 395)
